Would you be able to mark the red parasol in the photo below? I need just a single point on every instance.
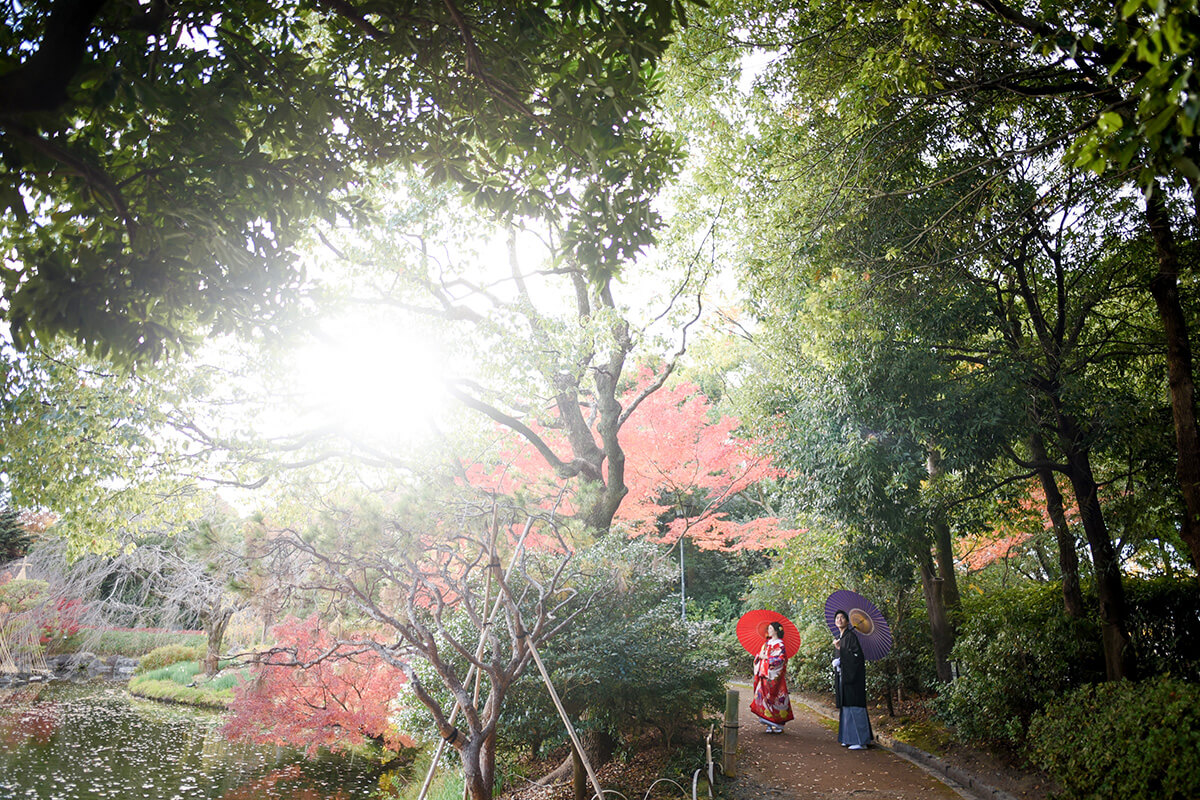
(752, 631)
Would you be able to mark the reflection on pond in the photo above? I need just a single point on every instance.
(92, 741)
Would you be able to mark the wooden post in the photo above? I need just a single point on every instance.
(729, 746)
(562, 712)
(579, 779)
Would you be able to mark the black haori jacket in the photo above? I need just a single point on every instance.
(850, 683)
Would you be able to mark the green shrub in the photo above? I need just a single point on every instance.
(627, 663)
(623, 674)
(1164, 626)
(19, 595)
(136, 643)
(1122, 740)
(169, 654)
(811, 668)
(1015, 652)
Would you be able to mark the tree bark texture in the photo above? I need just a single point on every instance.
(214, 627)
(598, 746)
(943, 541)
(1164, 287)
(477, 777)
(939, 625)
(1109, 588)
(1068, 559)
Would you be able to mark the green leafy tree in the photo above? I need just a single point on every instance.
(162, 160)
(91, 444)
(1095, 87)
(909, 167)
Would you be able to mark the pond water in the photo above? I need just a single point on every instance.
(94, 742)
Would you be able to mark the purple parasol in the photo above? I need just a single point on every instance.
(873, 630)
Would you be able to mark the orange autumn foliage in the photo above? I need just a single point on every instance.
(336, 702)
(1022, 522)
(681, 465)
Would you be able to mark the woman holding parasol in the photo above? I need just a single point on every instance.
(771, 702)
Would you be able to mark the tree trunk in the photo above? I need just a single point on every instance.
(214, 629)
(1110, 590)
(474, 782)
(943, 542)
(944, 547)
(1164, 287)
(598, 746)
(939, 626)
(1068, 559)
(579, 780)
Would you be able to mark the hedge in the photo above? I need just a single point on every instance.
(1124, 739)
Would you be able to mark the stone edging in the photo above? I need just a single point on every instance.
(72, 666)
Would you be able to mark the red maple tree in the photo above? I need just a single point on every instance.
(683, 464)
(341, 697)
(1021, 522)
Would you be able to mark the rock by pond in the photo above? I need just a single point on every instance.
(73, 666)
(92, 741)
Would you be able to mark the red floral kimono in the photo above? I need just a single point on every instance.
(770, 684)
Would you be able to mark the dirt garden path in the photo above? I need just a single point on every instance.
(806, 762)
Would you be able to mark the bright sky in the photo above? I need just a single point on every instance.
(376, 379)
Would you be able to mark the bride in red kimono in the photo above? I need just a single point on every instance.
(771, 703)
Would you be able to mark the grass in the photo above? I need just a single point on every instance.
(447, 784)
(134, 642)
(172, 684)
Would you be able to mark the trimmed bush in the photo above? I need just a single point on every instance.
(1133, 741)
(1015, 652)
(169, 654)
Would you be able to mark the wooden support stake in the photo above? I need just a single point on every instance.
(729, 747)
(579, 780)
(441, 745)
(562, 713)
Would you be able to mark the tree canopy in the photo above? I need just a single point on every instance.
(162, 160)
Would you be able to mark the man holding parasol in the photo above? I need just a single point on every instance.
(860, 634)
